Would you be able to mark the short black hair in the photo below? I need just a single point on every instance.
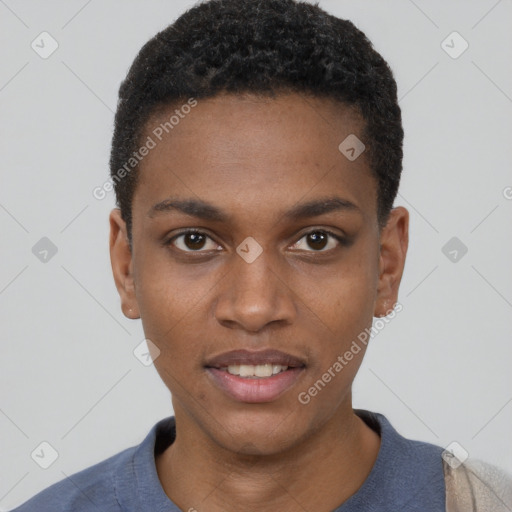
(263, 47)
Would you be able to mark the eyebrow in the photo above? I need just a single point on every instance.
(204, 210)
(194, 207)
(319, 207)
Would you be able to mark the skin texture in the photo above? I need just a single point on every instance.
(255, 159)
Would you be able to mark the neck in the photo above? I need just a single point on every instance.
(197, 474)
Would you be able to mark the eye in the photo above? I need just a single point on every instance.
(193, 241)
(318, 241)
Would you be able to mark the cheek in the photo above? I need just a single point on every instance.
(170, 299)
(170, 307)
(343, 305)
(352, 305)
(344, 298)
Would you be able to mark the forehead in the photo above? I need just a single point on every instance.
(254, 152)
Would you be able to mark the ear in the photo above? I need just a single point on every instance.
(394, 240)
(122, 264)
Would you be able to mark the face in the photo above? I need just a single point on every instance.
(257, 260)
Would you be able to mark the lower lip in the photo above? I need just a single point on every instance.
(257, 390)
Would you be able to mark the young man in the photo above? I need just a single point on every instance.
(256, 156)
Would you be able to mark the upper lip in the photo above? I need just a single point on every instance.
(269, 356)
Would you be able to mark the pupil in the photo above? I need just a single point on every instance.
(317, 240)
(194, 240)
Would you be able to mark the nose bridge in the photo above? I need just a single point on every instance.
(255, 279)
(254, 294)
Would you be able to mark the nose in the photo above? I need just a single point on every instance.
(254, 295)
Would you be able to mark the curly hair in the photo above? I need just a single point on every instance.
(263, 47)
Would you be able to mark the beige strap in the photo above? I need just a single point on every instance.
(476, 486)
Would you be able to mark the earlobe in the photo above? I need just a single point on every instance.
(122, 264)
(394, 241)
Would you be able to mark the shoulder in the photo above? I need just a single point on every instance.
(395, 446)
(476, 486)
(91, 490)
(407, 475)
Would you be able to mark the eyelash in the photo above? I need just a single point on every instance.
(339, 238)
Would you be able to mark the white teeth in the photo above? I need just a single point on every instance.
(263, 370)
(234, 369)
(246, 370)
(276, 368)
(258, 371)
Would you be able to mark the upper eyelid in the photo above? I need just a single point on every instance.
(188, 231)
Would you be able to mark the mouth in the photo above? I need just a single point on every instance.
(255, 377)
(251, 371)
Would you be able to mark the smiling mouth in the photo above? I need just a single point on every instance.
(255, 364)
(255, 377)
(250, 371)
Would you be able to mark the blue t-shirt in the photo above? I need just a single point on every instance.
(407, 476)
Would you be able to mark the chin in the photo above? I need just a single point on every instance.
(259, 432)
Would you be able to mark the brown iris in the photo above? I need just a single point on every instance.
(317, 240)
(194, 241)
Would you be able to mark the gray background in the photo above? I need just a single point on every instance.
(440, 370)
